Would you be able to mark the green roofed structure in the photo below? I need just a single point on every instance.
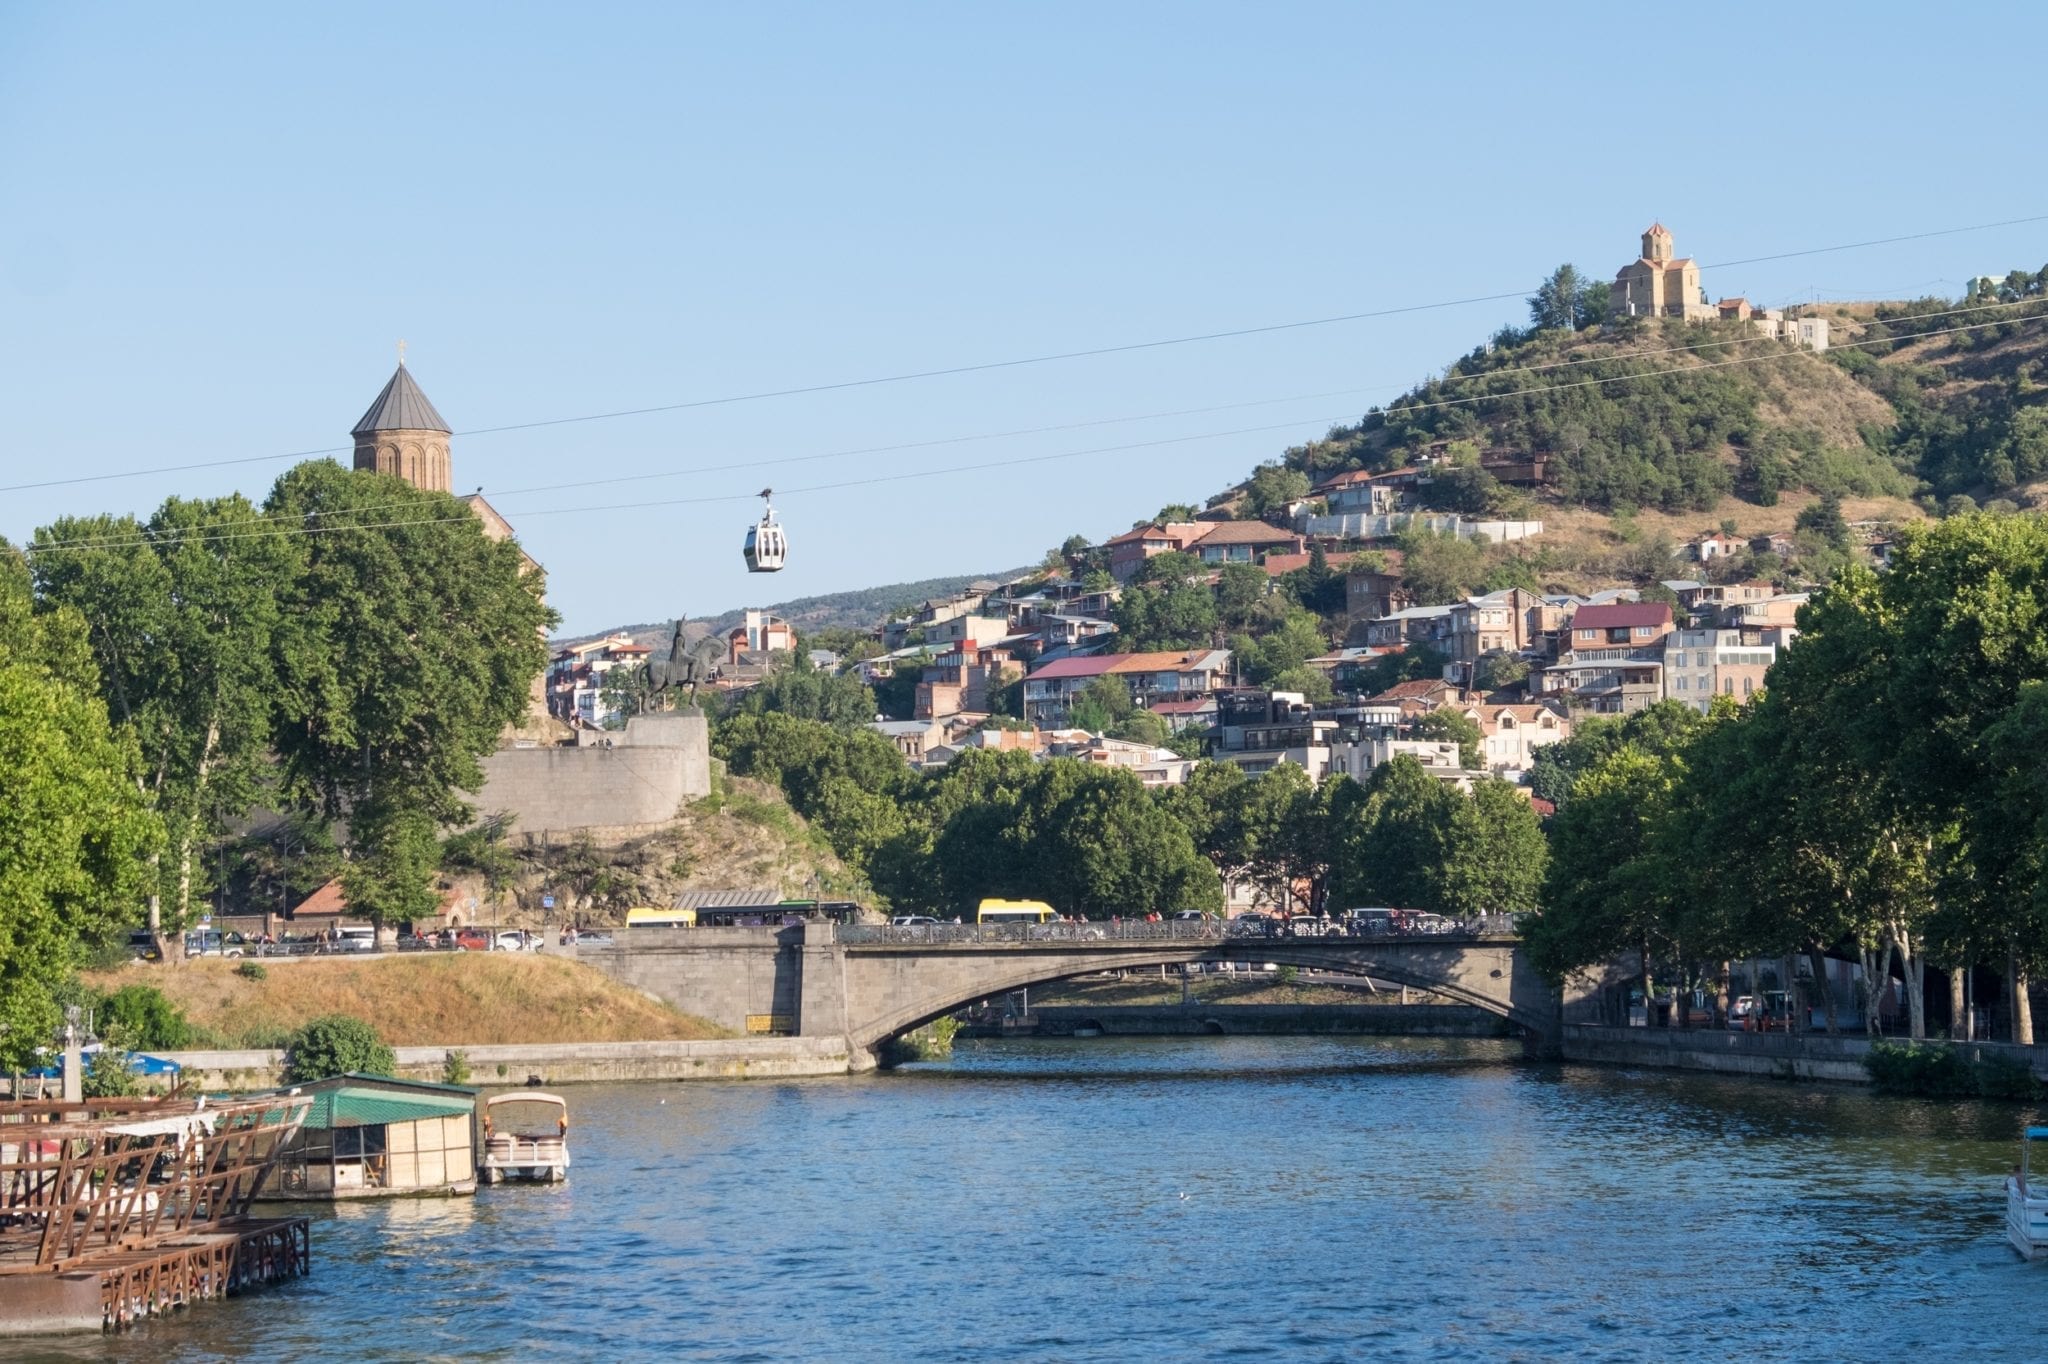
(372, 1136)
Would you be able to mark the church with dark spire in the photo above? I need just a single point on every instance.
(403, 435)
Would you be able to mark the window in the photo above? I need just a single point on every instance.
(1681, 684)
(1746, 686)
(1728, 686)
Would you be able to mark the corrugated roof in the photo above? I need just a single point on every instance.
(1621, 615)
(728, 899)
(358, 1106)
(400, 407)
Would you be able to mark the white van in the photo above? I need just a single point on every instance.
(360, 938)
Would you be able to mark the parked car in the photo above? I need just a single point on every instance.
(911, 920)
(514, 940)
(472, 940)
(1307, 926)
(212, 943)
(1369, 923)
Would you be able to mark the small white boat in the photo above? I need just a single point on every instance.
(526, 1136)
(2026, 1204)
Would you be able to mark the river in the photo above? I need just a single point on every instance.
(1186, 1198)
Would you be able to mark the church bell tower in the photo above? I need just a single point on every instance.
(402, 434)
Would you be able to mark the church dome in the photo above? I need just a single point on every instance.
(400, 407)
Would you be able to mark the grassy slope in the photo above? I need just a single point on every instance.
(460, 999)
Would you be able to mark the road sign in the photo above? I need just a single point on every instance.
(547, 902)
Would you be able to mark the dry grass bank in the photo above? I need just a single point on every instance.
(458, 999)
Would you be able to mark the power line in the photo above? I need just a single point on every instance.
(752, 464)
(986, 366)
(248, 532)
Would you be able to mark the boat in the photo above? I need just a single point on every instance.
(2026, 1204)
(526, 1136)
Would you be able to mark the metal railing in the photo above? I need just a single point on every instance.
(1174, 930)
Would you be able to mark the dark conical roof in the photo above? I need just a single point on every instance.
(400, 407)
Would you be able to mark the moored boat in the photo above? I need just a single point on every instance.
(526, 1136)
(2026, 1204)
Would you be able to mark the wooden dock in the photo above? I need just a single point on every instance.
(115, 1288)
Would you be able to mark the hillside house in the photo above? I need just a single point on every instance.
(1702, 664)
(1613, 625)
(1707, 548)
(1367, 493)
(1134, 547)
(1358, 758)
(1513, 733)
(1369, 595)
(1499, 622)
(1709, 603)
(1186, 714)
(1778, 542)
(1243, 542)
(1410, 625)
(913, 738)
(1259, 730)
(750, 644)
(576, 677)
(963, 678)
(1051, 688)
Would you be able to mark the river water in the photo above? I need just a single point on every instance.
(1186, 1198)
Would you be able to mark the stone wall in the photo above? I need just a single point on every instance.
(655, 764)
(738, 1058)
(1276, 1020)
(1805, 1056)
(726, 976)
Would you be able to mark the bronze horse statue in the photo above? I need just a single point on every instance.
(687, 665)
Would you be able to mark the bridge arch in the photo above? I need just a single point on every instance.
(1003, 975)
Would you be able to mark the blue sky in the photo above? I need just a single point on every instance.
(222, 218)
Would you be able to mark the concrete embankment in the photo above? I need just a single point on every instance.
(566, 1062)
(1270, 1020)
(1808, 1056)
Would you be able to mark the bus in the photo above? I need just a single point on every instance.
(661, 918)
(1014, 912)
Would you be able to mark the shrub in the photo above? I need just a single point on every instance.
(252, 970)
(455, 1070)
(107, 1075)
(1935, 1071)
(141, 1017)
(336, 1045)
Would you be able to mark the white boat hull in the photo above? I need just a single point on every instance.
(2026, 1218)
(508, 1156)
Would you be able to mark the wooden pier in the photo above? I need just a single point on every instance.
(115, 1211)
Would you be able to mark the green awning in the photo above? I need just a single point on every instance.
(357, 1106)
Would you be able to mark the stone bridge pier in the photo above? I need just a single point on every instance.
(868, 985)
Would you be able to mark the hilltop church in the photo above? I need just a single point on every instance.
(1659, 283)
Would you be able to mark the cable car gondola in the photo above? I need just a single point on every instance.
(766, 544)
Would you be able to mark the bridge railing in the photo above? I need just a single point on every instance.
(1169, 930)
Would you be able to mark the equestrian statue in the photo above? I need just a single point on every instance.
(687, 665)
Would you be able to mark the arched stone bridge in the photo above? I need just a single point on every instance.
(867, 985)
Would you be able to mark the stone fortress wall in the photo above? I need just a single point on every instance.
(634, 786)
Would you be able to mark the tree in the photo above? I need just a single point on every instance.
(1448, 725)
(336, 1044)
(1439, 568)
(1389, 853)
(1173, 511)
(392, 881)
(1555, 304)
(1288, 833)
(1494, 854)
(840, 700)
(406, 647)
(1240, 590)
(1498, 671)
(76, 830)
(1273, 488)
(184, 614)
(1824, 519)
(1181, 616)
(1102, 705)
(1592, 304)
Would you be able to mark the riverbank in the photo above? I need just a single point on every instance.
(1806, 1056)
(559, 1063)
(425, 999)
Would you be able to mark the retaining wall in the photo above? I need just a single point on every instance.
(654, 765)
(1196, 1019)
(739, 1058)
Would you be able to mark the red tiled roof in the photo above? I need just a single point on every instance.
(1276, 564)
(1138, 533)
(1247, 533)
(1621, 615)
(1095, 665)
(1184, 707)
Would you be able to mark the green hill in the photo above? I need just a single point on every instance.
(1656, 413)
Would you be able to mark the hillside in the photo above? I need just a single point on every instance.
(857, 609)
(453, 999)
(746, 836)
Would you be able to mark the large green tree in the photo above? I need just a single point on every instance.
(409, 642)
(183, 612)
(76, 830)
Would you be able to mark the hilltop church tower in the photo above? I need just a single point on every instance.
(402, 434)
(1660, 284)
